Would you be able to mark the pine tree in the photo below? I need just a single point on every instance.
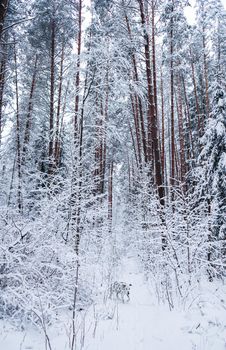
(212, 160)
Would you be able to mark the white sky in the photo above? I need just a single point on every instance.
(190, 11)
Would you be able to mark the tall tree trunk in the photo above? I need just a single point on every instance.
(27, 130)
(52, 86)
(104, 138)
(140, 108)
(18, 144)
(134, 145)
(77, 78)
(2, 86)
(77, 174)
(153, 145)
(61, 126)
(150, 96)
(187, 113)
(100, 147)
(78, 128)
(181, 132)
(196, 95)
(163, 129)
(153, 4)
(134, 104)
(205, 73)
(57, 141)
(3, 12)
(129, 173)
(172, 99)
(98, 144)
(110, 195)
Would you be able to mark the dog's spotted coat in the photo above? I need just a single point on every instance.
(120, 290)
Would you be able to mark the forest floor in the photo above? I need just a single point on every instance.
(140, 324)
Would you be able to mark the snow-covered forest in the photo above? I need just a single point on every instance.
(113, 175)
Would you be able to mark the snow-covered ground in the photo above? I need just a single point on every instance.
(141, 324)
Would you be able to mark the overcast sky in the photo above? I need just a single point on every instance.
(190, 11)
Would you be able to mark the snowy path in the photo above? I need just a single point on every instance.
(139, 324)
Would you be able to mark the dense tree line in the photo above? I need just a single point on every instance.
(127, 111)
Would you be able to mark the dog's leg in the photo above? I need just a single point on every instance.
(122, 297)
(111, 292)
(128, 296)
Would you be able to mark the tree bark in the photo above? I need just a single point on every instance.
(2, 86)
(196, 95)
(57, 141)
(3, 12)
(188, 117)
(77, 78)
(52, 86)
(140, 108)
(163, 129)
(134, 105)
(27, 130)
(110, 195)
(205, 73)
(18, 143)
(153, 145)
(181, 133)
(154, 58)
(172, 100)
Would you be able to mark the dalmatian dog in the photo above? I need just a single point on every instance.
(120, 290)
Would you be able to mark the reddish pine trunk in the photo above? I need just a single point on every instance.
(151, 105)
(153, 57)
(134, 103)
(196, 95)
(153, 145)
